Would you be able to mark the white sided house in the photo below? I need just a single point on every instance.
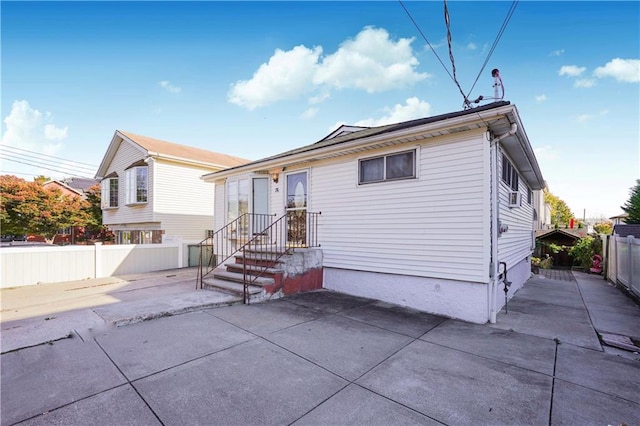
(432, 213)
(152, 190)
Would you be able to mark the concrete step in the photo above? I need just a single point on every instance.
(253, 269)
(230, 287)
(224, 275)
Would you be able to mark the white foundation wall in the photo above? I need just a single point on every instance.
(518, 275)
(456, 299)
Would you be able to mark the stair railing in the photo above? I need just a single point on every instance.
(221, 245)
(295, 229)
(269, 241)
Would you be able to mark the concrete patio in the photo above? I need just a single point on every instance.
(326, 358)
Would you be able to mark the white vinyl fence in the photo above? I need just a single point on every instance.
(30, 265)
(623, 263)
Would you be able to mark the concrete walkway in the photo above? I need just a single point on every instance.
(325, 358)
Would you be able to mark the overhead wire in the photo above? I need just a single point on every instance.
(48, 162)
(447, 22)
(507, 18)
(58, 170)
(34, 153)
(453, 76)
(425, 38)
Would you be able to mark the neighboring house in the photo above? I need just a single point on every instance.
(620, 219)
(542, 211)
(152, 189)
(420, 213)
(74, 187)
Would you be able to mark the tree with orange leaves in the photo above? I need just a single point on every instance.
(29, 208)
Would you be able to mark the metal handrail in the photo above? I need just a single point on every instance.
(227, 241)
(301, 229)
(272, 239)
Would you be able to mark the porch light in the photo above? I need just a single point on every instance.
(275, 176)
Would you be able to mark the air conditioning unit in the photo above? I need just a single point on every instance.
(514, 199)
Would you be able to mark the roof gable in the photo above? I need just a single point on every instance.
(157, 148)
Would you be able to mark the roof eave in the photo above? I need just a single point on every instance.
(314, 154)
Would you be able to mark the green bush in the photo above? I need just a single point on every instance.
(585, 249)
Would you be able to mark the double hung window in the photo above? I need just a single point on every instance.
(509, 173)
(137, 184)
(109, 191)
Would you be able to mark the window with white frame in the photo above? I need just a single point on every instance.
(387, 167)
(109, 191)
(137, 184)
(509, 173)
(529, 195)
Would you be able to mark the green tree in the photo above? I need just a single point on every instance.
(632, 206)
(561, 214)
(29, 208)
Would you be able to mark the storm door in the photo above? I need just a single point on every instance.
(296, 209)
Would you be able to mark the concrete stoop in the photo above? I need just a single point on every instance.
(295, 271)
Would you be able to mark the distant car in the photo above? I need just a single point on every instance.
(10, 237)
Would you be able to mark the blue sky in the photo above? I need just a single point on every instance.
(253, 79)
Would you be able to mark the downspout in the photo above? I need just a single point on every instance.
(495, 222)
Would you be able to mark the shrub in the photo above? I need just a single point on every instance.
(585, 249)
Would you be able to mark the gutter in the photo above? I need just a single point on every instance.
(494, 265)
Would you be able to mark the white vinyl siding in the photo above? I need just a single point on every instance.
(127, 155)
(183, 203)
(432, 226)
(515, 244)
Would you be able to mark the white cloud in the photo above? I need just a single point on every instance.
(545, 153)
(319, 98)
(584, 83)
(558, 52)
(412, 109)
(571, 70)
(624, 70)
(29, 129)
(472, 46)
(170, 87)
(371, 62)
(287, 75)
(309, 113)
(583, 118)
(541, 98)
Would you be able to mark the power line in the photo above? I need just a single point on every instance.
(507, 18)
(42, 167)
(425, 38)
(453, 62)
(38, 163)
(45, 155)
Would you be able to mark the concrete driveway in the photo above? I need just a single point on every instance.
(325, 358)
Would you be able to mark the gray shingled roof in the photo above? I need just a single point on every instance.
(626, 230)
